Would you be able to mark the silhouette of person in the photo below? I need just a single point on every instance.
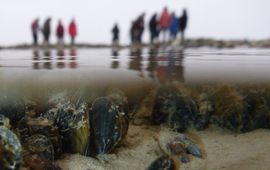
(137, 29)
(153, 28)
(174, 26)
(35, 30)
(72, 29)
(47, 30)
(164, 22)
(115, 33)
(183, 20)
(60, 32)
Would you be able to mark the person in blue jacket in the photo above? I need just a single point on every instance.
(174, 26)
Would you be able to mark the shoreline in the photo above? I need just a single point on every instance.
(189, 43)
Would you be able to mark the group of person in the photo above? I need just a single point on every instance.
(168, 23)
(46, 31)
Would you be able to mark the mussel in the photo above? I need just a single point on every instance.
(108, 123)
(10, 150)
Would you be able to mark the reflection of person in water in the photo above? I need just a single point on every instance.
(36, 60)
(73, 60)
(169, 67)
(152, 64)
(47, 56)
(60, 59)
(135, 62)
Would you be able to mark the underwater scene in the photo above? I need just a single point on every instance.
(128, 108)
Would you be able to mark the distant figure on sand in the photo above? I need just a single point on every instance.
(182, 25)
(72, 29)
(153, 28)
(164, 22)
(115, 33)
(174, 26)
(60, 32)
(47, 31)
(35, 30)
(137, 29)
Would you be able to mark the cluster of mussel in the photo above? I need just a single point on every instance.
(239, 109)
(66, 125)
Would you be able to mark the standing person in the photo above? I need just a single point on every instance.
(115, 33)
(182, 25)
(174, 26)
(35, 29)
(132, 32)
(153, 28)
(164, 22)
(60, 32)
(139, 28)
(72, 29)
(47, 30)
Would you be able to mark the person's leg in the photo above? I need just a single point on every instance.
(35, 38)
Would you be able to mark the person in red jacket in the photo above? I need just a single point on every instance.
(164, 22)
(72, 29)
(35, 30)
(60, 31)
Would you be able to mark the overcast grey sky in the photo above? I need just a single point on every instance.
(226, 19)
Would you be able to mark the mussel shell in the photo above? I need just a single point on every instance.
(108, 124)
(10, 150)
(170, 142)
(40, 145)
(40, 126)
(163, 163)
(12, 107)
(71, 120)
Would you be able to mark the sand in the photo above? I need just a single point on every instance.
(224, 151)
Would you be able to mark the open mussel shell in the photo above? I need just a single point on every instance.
(179, 145)
(72, 123)
(12, 107)
(10, 150)
(108, 124)
(164, 163)
(41, 146)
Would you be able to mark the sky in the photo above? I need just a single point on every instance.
(219, 19)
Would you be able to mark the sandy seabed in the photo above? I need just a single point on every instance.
(223, 150)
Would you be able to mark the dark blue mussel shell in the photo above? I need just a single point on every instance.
(108, 124)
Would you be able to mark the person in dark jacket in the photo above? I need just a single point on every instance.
(139, 28)
(153, 28)
(60, 31)
(35, 30)
(47, 30)
(115, 33)
(183, 20)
